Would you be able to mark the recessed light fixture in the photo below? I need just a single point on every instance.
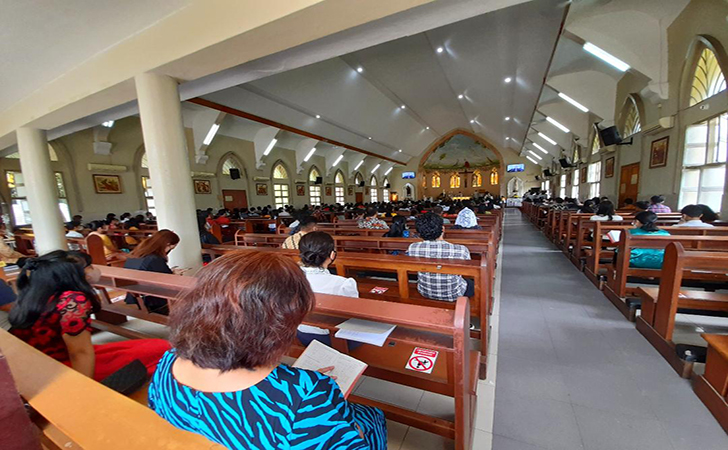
(557, 124)
(310, 154)
(317, 116)
(400, 150)
(360, 69)
(573, 102)
(472, 120)
(338, 160)
(440, 49)
(211, 134)
(403, 107)
(460, 96)
(508, 79)
(508, 138)
(375, 168)
(507, 119)
(388, 170)
(359, 165)
(547, 139)
(270, 147)
(540, 148)
(531, 159)
(108, 123)
(427, 128)
(535, 155)
(606, 57)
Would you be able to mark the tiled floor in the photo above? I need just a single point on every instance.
(573, 373)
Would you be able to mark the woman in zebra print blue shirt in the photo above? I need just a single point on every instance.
(223, 379)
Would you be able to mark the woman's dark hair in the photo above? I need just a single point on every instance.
(43, 279)
(647, 219)
(429, 226)
(156, 244)
(315, 248)
(96, 224)
(709, 216)
(131, 223)
(606, 208)
(399, 225)
(643, 205)
(242, 313)
(657, 199)
(588, 207)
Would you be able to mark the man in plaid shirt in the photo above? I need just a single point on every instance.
(439, 286)
(657, 205)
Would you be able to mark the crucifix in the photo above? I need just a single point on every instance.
(465, 174)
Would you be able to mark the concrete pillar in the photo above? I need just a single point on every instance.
(41, 190)
(169, 165)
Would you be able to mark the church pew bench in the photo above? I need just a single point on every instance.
(660, 305)
(712, 386)
(76, 412)
(401, 290)
(445, 330)
(620, 274)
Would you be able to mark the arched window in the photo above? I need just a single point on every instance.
(632, 124)
(596, 144)
(436, 180)
(385, 190)
(230, 163)
(494, 177)
(477, 179)
(455, 181)
(314, 189)
(373, 189)
(339, 188)
(280, 186)
(358, 179)
(708, 79)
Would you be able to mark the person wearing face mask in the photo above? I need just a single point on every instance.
(151, 256)
(53, 314)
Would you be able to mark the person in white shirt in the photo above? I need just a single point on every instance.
(691, 218)
(605, 212)
(317, 250)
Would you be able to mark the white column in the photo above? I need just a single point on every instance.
(169, 165)
(41, 191)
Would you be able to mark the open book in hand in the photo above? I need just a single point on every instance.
(347, 370)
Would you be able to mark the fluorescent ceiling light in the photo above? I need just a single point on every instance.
(359, 165)
(338, 160)
(270, 147)
(108, 123)
(557, 124)
(606, 57)
(440, 49)
(508, 79)
(388, 170)
(540, 148)
(375, 168)
(211, 134)
(532, 160)
(535, 155)
(360, 69)
(310, 154)
(547, 139)
(573, 102)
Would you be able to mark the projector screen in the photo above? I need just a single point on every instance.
(516, 168)
(408, 175)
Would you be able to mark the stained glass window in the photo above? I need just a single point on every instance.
(708, 79)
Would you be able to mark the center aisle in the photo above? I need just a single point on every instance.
(572, 373)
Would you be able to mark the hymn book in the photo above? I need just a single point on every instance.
(347, 370)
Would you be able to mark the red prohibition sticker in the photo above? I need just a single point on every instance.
(422, 360)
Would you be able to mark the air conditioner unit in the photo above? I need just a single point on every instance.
(665, 123)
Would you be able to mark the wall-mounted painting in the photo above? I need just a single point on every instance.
(261, 188)
(350, 190)
(107, 184)
(461, 152)
(300, 190)
(202, 186)
(328, 191)
(582, 176)
(658, 152)
(609, 167)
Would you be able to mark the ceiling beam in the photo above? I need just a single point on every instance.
(272, 123)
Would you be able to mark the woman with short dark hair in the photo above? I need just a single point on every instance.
(646, 258)
(223, 378)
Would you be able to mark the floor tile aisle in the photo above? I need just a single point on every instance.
(573, 373)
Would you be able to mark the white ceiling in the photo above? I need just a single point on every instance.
(479, 53)
(41, 40)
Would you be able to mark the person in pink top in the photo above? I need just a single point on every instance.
(657, 205)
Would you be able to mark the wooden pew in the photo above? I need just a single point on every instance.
(712, 386)
(76, 412)
(660, 305)
(400, 290)
(598, 248)
(616, 288)
(439, 329)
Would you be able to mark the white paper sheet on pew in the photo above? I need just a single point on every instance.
(366, 331)
(346, 369)
(614, 236)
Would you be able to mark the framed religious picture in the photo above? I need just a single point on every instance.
(107, 184)
(328, 191)
(582, 176)
(609, 167)
(202, 186)
(658, 152)
(261, 188)
(350, 190)
(300, 190)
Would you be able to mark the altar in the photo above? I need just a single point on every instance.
(514, 202)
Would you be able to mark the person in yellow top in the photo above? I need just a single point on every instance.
(99, 229)
(131, 225)
(306, 225)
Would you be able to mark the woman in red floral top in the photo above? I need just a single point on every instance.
(53, 314)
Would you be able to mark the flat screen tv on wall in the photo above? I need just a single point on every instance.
(408, 175)
(516, 168)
